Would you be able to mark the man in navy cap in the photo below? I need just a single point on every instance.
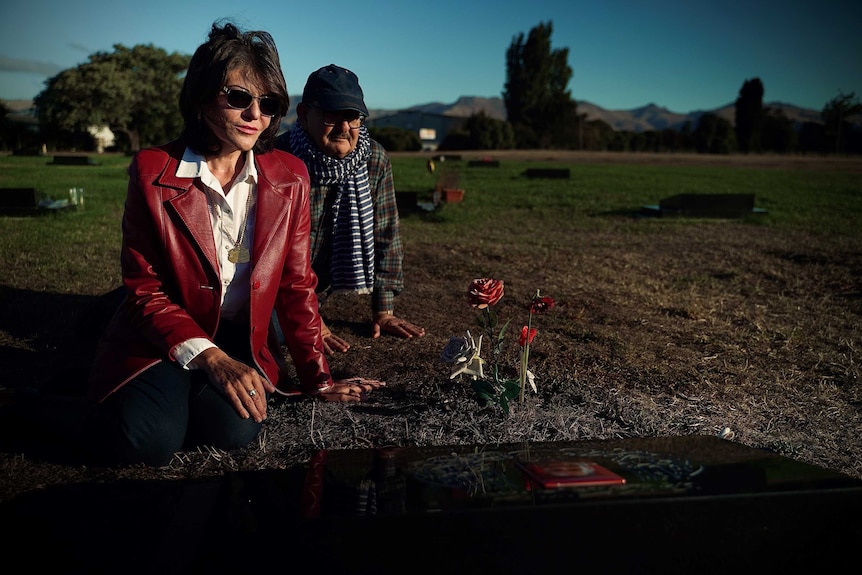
(355, 237)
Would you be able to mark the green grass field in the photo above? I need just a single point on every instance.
(502, 198)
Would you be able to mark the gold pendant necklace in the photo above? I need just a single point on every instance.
(238, 253)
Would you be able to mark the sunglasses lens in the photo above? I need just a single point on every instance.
(269, 106)
(238, 99)
(336, 119)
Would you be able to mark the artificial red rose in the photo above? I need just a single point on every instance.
(522, 341)
(541, 304)
(484, 292)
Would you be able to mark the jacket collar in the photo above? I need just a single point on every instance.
(276, 186)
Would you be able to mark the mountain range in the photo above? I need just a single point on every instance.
(645, 118)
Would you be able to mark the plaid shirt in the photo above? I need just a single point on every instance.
(388, 249)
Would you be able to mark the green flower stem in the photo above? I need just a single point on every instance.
(525, 357)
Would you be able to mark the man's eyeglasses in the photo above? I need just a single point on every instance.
(354, 119)
(239, 99)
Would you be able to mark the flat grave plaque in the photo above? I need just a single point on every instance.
(687, 504)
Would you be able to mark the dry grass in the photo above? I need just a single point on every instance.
(716, 328)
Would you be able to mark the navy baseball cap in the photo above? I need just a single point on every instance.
(334, 88)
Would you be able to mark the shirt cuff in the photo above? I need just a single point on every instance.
(383, 301)
(186, 351)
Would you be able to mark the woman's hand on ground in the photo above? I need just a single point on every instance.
(351, 389)
(332, 343)
(244, 387)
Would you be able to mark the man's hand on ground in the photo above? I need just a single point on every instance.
(389, 323)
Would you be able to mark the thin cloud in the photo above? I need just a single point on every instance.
(33, 66)
(79, 48)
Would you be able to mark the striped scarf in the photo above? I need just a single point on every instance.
(352, 262)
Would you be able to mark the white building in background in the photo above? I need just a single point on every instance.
(103, 137)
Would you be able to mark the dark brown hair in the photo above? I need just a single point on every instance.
(226, 50)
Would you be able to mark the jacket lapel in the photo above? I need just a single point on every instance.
(273, 206)
(192, 207)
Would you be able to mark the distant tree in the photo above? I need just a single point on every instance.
(133, 91)
(480, 132)
(713, 135)
(487, 133)
(812, 138)
(395, 139)
(597, 135)
(651, 141)
(836, 118)
(620, 141)
(538, 103)
(638, 142)
(17, 136)
(686, 139)
(8, 135)
(456, 139)
(777, 133)
(749, 115)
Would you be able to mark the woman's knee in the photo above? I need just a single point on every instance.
(153, 445)
(148, 416)
(213, 421)
(227, 436)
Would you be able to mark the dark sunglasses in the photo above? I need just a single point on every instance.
(239, 99)
(354, 119)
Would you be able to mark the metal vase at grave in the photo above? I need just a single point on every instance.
(76, 197)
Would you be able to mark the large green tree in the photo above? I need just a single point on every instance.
(538, 103)
(134, 91)
(749, 115)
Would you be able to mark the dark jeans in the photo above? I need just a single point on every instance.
(168, 409)
(163, 410)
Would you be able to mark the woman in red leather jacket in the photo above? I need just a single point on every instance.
(215, 238)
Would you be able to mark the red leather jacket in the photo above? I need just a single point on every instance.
(171, 273)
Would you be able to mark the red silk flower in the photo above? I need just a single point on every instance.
(541, 304)
(484, 292)
(522, 341)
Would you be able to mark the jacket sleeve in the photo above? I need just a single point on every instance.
(296, 303)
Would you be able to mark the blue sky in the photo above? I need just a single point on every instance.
(682, 55)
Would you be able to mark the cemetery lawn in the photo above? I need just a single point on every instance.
(747, 328)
